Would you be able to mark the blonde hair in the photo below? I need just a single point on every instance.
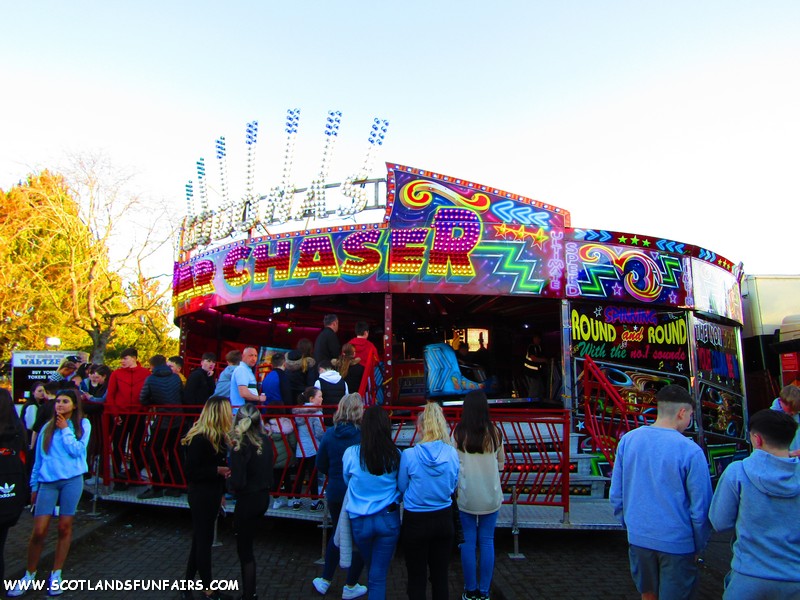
(247, 425)
(790, 394)
(214, 422)
(351, 409)
(432, 424)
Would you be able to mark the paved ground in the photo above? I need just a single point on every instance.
(150, 542)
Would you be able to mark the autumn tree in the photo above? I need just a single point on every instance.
(94, 239)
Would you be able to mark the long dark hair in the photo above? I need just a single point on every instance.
(76, 418)
(475, 433)
(10, 425)
(31, 400)
(379, 455)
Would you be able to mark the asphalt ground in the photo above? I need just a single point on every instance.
(126, 542)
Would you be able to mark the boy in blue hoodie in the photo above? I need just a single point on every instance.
(661, 491)
(760, 497)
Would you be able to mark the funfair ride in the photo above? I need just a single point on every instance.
(425, 257)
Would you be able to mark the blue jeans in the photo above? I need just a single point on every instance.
(376, 537)
(332, 552)
(478, 533)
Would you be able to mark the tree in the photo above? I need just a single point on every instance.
(92, 240)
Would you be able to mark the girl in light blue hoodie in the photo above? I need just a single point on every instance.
(428, 477)
(57, 479)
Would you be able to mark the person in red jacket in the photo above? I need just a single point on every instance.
(366, 351)
(127, 430)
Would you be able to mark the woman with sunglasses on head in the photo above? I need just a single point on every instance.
(206, 469)
(251, 478)
(57, 479)
(480, 453)
(370, 472)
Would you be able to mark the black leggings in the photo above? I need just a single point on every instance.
(249, 510)
(204, 503)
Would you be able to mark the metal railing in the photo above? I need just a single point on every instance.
(143, 447)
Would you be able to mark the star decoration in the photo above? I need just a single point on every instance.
(673, 297)
(581, 426)
(680, 367)
(598, 311)
(617, 289)
(622, 239)
(646, 243)
(635, 240)
(520, 233)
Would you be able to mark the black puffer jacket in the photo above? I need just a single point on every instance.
(163, 388)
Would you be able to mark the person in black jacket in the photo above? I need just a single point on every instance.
(163, 388)
(301, 368)
(251, 478)
(327, 345)
(206, 470)
(200, 383)
(12, 470)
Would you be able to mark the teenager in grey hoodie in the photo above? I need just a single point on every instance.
(760, 497)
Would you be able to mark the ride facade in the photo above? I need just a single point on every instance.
(425, 258)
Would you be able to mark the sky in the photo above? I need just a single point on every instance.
(676, 119)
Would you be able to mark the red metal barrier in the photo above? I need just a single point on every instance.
(607, 416)
(144, 446)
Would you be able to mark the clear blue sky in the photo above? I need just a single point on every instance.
(675, 119)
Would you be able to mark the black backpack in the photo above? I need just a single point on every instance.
(14, 488)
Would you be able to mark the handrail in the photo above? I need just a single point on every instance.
(607, 415)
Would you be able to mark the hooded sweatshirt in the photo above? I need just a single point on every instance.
(760, 497)
(329, 457)
(795, 445)
(332, 386)
(428, 476)
(124, 388)
(366, 351)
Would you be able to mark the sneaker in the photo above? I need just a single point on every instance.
(279, 503)
(151, 493)
(22, 585)
(471, 595)
(54, 587)
(317, 506)
(353, 591)
(321, 585)
(297, 505)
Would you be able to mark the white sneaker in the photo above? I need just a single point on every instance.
(22, 585)
(54, 588)
(279, 503)
(355, 591)
(321, 585)
(297, 505)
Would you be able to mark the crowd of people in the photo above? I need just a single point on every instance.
(232, 451)
(447, 484)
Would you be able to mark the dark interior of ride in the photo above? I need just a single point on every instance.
(504, 326)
